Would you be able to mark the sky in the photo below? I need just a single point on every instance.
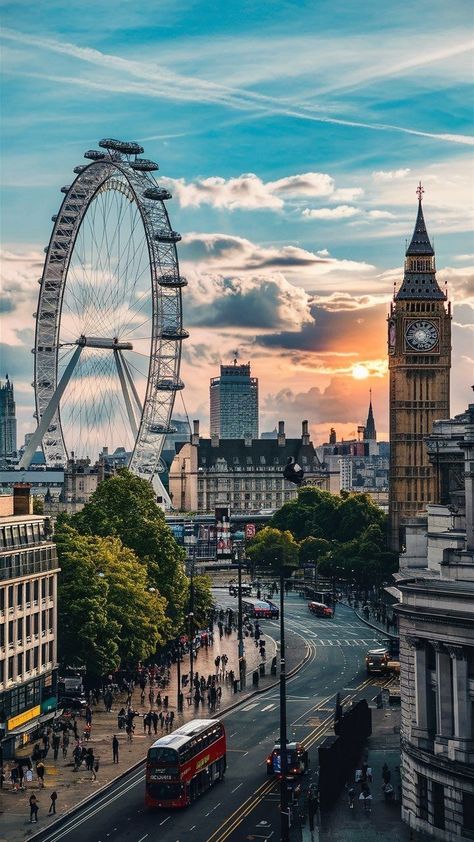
(292, 136)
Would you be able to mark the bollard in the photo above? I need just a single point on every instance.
(255, 678)
(262, 669)
(273, 668)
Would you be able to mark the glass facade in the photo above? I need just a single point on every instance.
(234, 403)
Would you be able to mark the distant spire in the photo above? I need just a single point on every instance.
(370, 431)
(420, 242)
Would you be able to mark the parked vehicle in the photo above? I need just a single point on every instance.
(296, 757)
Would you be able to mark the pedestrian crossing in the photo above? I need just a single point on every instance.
(333, 641)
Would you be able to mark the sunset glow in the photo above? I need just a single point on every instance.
(360, 372)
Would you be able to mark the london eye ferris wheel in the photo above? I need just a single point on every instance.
(109, 318)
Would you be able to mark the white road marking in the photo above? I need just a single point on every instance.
(268, 707)
(249, 707)
(236, 788)
(165, 820)
(143, 837)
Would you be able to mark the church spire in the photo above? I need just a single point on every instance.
(370, 431)
(419, 281)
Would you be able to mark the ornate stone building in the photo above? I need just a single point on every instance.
(436, 622)
(419, 348)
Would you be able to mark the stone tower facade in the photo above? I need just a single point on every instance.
(419, 358)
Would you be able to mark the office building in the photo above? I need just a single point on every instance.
(8, 450)
(436, 622)
(28, 621)
(234, 403)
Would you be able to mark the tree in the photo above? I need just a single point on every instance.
(356, 512)
(86, 634)
(271, 548)
(203, 601)
(312, 549)
(312, 513)
(38, 506)
(124, 506)
(107, 613)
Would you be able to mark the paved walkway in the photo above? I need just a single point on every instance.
(72, 787)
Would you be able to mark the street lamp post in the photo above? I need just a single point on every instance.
(284, 813)
(240, 635)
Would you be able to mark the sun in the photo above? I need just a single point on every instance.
(360, 372)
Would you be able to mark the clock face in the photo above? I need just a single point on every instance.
(421, 335)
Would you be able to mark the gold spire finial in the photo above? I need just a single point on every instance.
(420, 191)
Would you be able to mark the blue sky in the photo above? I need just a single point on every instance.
(292, 135)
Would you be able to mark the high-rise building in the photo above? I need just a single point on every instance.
(419, 349)
(7, 423)
(234, 403)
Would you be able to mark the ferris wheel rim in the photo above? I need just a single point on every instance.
(165, 298)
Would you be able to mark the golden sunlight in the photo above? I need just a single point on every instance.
(360, 372)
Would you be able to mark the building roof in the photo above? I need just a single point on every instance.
(370, 431)
(420, 284)
(420, 242)
(262, 453)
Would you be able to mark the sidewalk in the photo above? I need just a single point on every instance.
(373, 621)
(73, 787)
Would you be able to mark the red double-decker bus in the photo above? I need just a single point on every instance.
(182, 765)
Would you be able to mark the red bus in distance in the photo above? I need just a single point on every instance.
(185, 764)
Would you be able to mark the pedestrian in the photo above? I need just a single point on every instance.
(386, 774)
(162, 719)
(40, 770)
(88, 715)
(56, 741)
(171, 720)
(115, 749)
(33, 808)
(167, 722)
(154, 717)
(129, 730)
(95, 769)
(14, 778)
(20, 774)
(89, 759)
(52, 806)
(65, 744)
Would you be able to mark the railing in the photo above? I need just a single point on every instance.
(27, 568)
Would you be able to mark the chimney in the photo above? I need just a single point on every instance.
(281, 434)
(215, 440)
(22, 499)
(195, 433)
(304, 433)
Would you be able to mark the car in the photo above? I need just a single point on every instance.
(320, 609)
(297, 760)
(376, 660)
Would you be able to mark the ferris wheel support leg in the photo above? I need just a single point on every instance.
(47, 415)
(126, 396)
(131, 383)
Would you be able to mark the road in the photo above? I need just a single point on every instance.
(234, 809)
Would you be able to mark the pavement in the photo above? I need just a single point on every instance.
(75, 787)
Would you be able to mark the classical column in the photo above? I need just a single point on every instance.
(421, 702)
(444, 691)
(461, 699)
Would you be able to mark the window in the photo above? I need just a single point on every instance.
(19, 664)
(10, 668)
(35, 657)
(10, 596)
(35, 591)
(43, 588)
(422, 793)
(438, 804)
(28, 593)
(19, 595)
(468, 814)
(28, 660)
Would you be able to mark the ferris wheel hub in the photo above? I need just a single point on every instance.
(104, 342)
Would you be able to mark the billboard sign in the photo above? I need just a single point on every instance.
(249, 531)
(223, 543)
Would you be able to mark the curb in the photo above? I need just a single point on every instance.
(112, 783)
(372, 625)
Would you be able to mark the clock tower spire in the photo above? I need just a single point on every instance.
(419, 349)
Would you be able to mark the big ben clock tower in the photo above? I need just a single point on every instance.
(419, 361)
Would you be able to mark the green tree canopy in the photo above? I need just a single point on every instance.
(312, 513)
(124, 507)
(312, 549)
(107, 613)
(202, 600)
(270, 548)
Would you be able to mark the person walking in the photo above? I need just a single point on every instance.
(95, 769)
(154, 717)
(167, 723)
(65, 744)
(171, 720)
(33, 808)
(56, 741)
(21, 774)
(52, 806)
(115, 749)
(40, 770)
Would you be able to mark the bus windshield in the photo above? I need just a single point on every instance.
(161, 754)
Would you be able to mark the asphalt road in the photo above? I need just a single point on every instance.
(233, 810)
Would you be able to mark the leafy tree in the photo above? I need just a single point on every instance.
(202, 600)
(124, 506)
(107, 613)
(86, 634)
(313, 512)
(270, 548)
(38, 506)
(312, 549)
(356, 512)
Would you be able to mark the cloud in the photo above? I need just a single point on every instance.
(251, 192)
(463, 257)
(347, 194)
(341, 212)
(379, 214)
(390, 175)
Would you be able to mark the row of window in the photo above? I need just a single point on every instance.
(435, 813)
(225, 484)
(21, 631)
(22, 534)
(24, 662)
(27, 695)
(27, 562)
(23, 594)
